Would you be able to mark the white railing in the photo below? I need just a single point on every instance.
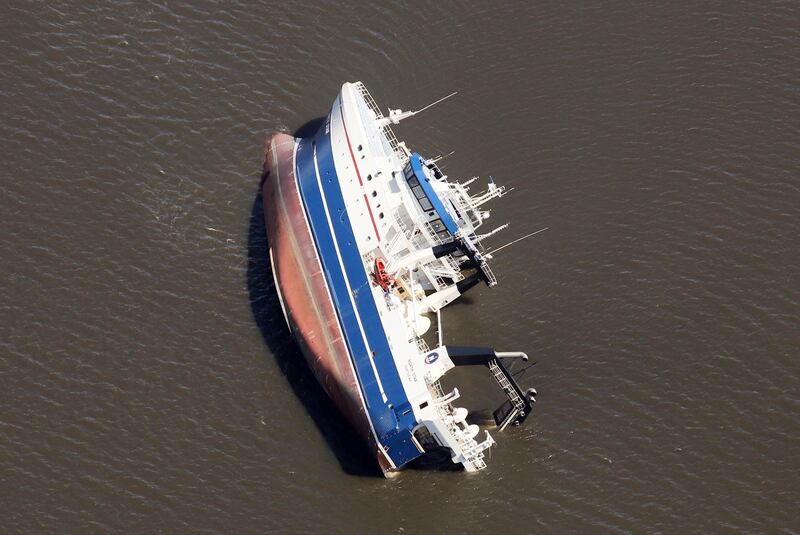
(468, 447)
(437, 281)
(475, 454)
(437, 390)
(461, 199)
(490, 278)
(434, 238)
(441, 275)
(387, 130)
(403, 226)
(418, 238)
(446, 271)
(394, 242)
(506, 385)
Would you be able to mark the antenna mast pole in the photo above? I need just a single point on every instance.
(515, 241)
(395, 116)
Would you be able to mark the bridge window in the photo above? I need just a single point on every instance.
(425, 203)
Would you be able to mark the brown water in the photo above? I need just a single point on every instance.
(148, 383)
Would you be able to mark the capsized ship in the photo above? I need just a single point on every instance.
(369, 241)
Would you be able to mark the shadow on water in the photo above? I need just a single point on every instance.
(353, 455)
(310, 128)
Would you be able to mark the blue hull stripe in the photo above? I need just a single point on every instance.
(392, 426)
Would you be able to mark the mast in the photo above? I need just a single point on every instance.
(395, 116)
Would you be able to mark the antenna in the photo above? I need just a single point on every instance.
(515, 241)
(482, 237)
(442, 157)
(434, 103)
(395, 116)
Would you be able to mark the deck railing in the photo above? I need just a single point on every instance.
(468, 446)
(387, 130)
(490, 278)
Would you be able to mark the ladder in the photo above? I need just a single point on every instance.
(508, 388)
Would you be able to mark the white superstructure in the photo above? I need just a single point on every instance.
(417, 234)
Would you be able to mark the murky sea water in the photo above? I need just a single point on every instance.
(148, 383)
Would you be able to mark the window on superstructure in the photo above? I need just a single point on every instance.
(437, 226)
(425, 202)
(440, 230)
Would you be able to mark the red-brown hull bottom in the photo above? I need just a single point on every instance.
(302, 287)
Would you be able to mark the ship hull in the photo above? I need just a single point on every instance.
(364, 236)
(303, 290)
